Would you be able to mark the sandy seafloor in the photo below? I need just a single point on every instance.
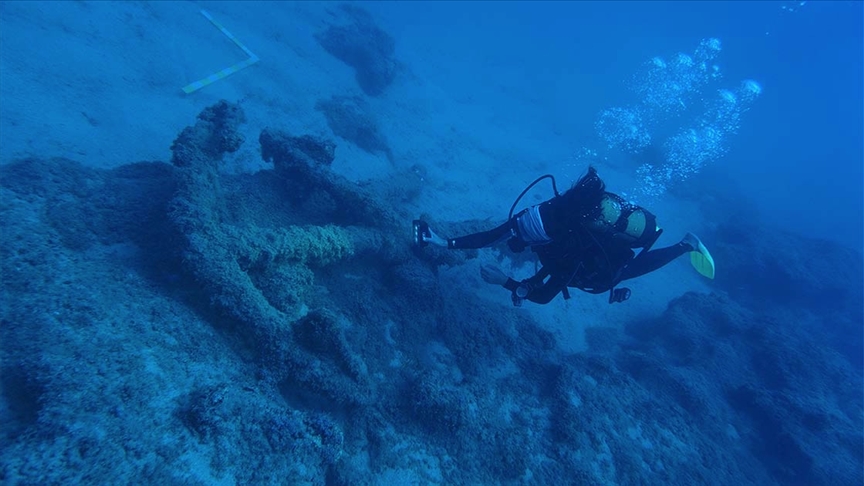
(124, 361)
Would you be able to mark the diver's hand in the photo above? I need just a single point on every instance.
(493, 275)
(434, 239)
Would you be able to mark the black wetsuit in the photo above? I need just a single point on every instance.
(575, 256)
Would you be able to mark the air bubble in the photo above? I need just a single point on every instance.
(669, 89)
(728, 96)
(623, 128)
(684, 60)
(751, 86)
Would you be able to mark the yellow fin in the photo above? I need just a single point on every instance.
(702, 261)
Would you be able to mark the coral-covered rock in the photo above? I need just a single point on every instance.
(361, 44)
(787, 269)
(351, 118)
(440, 407)
(792, 399)
(214, 135)
(306, 177)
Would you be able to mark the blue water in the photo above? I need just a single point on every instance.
(799, 144)
(210, 278)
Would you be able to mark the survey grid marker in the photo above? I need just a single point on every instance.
(224, 73)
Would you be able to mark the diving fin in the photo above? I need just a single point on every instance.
(702, 261)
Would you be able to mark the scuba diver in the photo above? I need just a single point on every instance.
(584, 238)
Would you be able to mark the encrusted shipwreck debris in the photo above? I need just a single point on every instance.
(303, 162)
(258, 272)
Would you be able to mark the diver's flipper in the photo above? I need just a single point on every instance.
(702, 261)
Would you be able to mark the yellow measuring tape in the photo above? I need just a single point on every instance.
(195, 86)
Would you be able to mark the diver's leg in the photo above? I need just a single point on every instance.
(655, 259)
